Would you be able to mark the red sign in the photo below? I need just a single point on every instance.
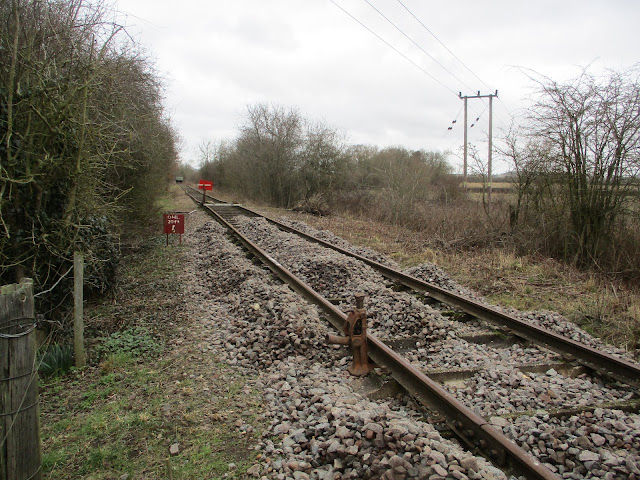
(205, 185)
(173, 223)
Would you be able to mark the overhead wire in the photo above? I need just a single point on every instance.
(479, 115)
(416, 44)
(400, 53)
(396, 50)
(459, 60)
(455, 120)
(423, 50)
(441, 43)
(450, 148)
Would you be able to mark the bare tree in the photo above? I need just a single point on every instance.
(206, 152)
(272, 138)
(529, 174)
(323, 165)
(591, 127)
(279, 157)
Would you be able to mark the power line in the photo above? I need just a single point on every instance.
(455, 120)
(396, 50)
(403, 55)
(400, 53)
(417, 45)
(456, 57)
(427, 53)
(441, 43)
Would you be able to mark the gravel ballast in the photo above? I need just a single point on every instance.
(319, 426)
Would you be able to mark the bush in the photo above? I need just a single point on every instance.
(56, 360)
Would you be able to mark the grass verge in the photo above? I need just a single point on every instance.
(149, 387)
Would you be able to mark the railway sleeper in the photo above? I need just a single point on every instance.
(631, 406)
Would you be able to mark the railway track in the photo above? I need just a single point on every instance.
(447, 391)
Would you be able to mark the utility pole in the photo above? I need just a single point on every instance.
(466, 143)
(465, 98)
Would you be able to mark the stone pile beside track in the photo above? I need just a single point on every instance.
(559, 324)
(504, 390)
(334, 275)
(603, 444)
(455, 353)
(433, 274)
(318, 426)
(327, 431)
(329, 237)
(308, 393)
(444, 349)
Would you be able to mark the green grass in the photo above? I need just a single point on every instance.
(107, 433)
(111, 418)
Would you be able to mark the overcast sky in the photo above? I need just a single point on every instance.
(220, 56)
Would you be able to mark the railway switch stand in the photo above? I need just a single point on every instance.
(355, 335)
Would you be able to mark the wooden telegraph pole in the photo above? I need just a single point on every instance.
(465, 98)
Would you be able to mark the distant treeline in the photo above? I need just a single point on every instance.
(573, 191)
(282, 159)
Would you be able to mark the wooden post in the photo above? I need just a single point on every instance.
(78, 321)
(20, 453)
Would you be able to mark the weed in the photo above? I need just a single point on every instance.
(115, 361)
(56, 360)
(53, 458)
(98, 458)
(135, 342)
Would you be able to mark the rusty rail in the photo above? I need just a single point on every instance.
(603, 362)
(471, 428)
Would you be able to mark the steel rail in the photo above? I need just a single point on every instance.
(603, 362)
(217, 200)
(470, 427)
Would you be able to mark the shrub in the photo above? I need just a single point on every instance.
(56, 360)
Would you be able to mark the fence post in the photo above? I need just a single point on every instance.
(20, 454)
(78, 310)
